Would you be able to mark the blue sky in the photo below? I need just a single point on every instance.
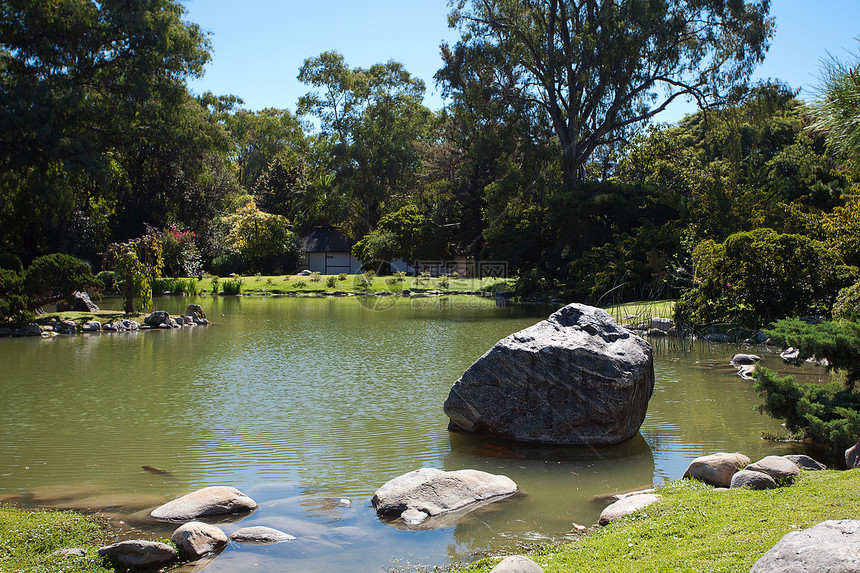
(259, 45)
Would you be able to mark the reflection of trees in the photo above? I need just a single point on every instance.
(562, 486)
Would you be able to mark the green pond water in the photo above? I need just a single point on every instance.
(303, 402)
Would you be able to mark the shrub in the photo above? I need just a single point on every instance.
(215, 282)
(341, 277)
(181, 257)
(11, 262)
(758, 276)
(828, 414)
(315, 277)
(57, 274)
(232, 287)
(165, 284)
(13, 304)
(847, 305)
(330, 282)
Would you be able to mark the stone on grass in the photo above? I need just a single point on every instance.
(517, 564)
(79, 301)
(832, 546)
(716, 469)
(138, 553)
(783, 471)
(428, 492)
(196, 539)
(752, 480)
(852, 456)
(70, 552)
(804, 462)
(206, 502)
(626, 506)
(576, 378)
(260, 535)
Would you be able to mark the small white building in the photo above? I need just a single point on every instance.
(328, 251)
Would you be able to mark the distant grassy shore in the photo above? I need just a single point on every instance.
(695, 528)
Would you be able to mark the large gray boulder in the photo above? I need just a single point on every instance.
(626, 506)
(196, 539)
(206, 502)
(832, 546)
(576, 378)
(804, 462)
(157, 318)
(143, 554)
(716, 469)
(78, 301)
(783, 471)
(428, 492)
(517, 564)
(752, 480)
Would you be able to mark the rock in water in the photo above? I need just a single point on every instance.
(576, 378)
(429, 492)
(137, 553)
(206, 502)
(832, 546)
(197, 539)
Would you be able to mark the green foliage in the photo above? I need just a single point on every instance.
(11, 262)
(181, 257)
(216, 284)
(232, 287)
(758, 276)
(331, 282)
(405, 234)
(137, 264)
(13, 303)
(258, 242)
(837, 111)
(847, 305)
(341, 276)
(315, 277)
(827, 414)
(57, 274)
(837, 341)
(599, 69)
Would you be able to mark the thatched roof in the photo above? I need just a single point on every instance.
(327, 240)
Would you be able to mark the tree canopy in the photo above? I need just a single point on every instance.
(594, 69)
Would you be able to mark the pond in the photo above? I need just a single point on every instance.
(302, 402)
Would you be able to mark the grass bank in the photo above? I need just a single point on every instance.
(695, 528)
(29, 538)
(643, 310)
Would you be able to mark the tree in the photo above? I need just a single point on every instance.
(837, 111)
(370, 121)
(405, 234)
(260, 242)
(594, 69)
(55, 277)
(98, 132)
(137, 264)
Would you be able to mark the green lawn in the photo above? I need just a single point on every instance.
(643, 309)
(695, 528)
(28, 538)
